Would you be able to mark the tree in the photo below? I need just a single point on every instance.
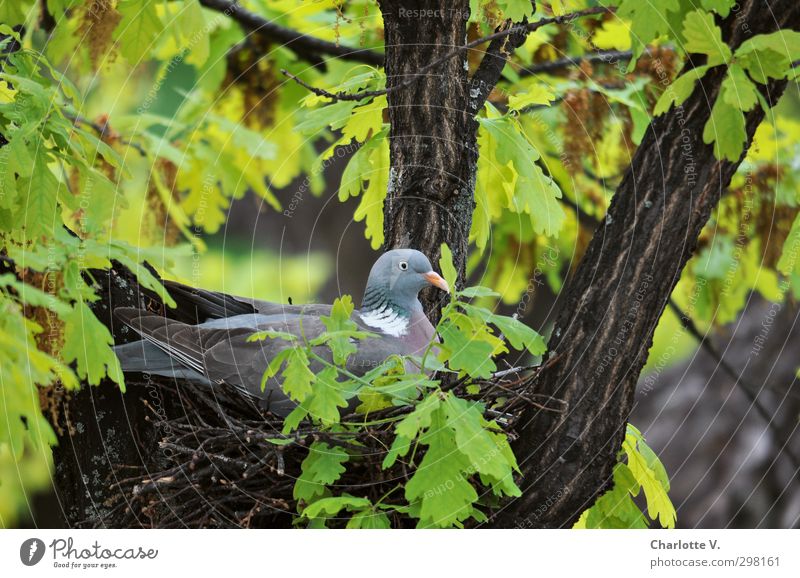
(475, 155)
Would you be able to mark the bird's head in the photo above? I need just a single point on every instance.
(399, 275)
(406, 272)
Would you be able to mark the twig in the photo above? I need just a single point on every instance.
(504, 372)
(308, 47)
(104, 130)
(601, 56)
(515, 30)
(494, 61)
(529, 399)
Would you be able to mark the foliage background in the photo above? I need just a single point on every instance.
(154, 131)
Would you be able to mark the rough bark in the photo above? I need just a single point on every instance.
(433, 136)
(615, 299)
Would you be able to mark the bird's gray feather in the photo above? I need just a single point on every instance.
(205, 339)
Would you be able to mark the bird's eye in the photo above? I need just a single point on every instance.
(403, 265)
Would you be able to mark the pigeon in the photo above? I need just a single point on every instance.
(205, 339)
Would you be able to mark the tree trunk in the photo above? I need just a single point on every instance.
(102, 429)
(433, 135)
(616, 297)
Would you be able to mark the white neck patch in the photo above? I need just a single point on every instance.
(387, 320)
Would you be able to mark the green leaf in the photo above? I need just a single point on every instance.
(272, 334)
(342, 327)
(726, 130)
(768, 56)
(721, 7)
(327, 397)
(34, 296)
(333, 505)
(784, 42)
(409, 427)
(644, 471)
(365, 121)
(487, 452)
(334, 115)
(467, 351)
(438, 487)
(649, 20)
(519, 335)
(789, 261)
(536, 94)
(321, 467)
(297, 377)
(93, 146)
(372, 400)
(659, 505)
(13, 13)
(516, 10)
(737, 90)
(764, 64)
(88, 342)
(98, 199)
(40, 214)
(359, 165)
(292, 421)
(138, 30)
(369, 175)
(681, 89)
(716, 260)
(447, 267)
(703, 36)
(654, 463)
(527, 189)
(616, 508)
(281, 441)
(192, 25)
(369, 520)
(475, 292)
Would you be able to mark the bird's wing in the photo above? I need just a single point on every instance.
(183, 342)
(198, 305)
(220, 349)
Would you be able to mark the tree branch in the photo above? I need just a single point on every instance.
(704, 343)
(494, 61)
(496, 40)
(601, 56)
(307, 47)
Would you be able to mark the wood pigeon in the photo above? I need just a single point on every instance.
(214, 348)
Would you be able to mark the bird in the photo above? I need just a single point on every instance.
(205, 339)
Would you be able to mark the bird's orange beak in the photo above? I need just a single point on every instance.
(437, 281)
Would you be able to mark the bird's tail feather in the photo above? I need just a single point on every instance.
(140, 356)
(144, 357)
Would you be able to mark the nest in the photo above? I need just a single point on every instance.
(220, 469)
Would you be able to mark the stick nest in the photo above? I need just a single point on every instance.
(221, 468)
